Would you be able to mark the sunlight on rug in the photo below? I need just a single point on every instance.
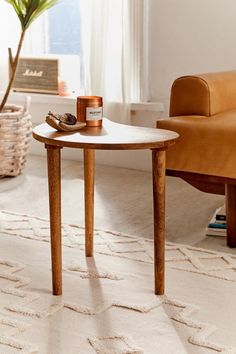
(108, 305)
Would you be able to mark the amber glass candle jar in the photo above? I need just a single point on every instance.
(89, 110)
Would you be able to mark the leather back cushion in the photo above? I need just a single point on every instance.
(204, 95)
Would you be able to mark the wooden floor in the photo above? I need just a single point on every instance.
(123, 201)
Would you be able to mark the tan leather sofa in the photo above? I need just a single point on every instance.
(203, 112)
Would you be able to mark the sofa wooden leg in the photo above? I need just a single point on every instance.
(230, 201)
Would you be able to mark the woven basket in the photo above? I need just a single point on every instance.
(15, 135)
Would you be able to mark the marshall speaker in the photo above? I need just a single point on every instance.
(36, 75)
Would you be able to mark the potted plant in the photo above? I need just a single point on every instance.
(15, 121)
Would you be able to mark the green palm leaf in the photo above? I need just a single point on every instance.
(28, 10)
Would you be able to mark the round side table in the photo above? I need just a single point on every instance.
(111, 136)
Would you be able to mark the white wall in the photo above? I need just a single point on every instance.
(189, 37)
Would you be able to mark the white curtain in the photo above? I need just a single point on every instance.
(36, 38)
(111, 52)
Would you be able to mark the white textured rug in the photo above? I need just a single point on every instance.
(108, 305)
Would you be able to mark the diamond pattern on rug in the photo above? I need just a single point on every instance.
(114, 345)
(16, 327)
(180, 257)
(205, 330)
(116, 245)
(110, 345)
(90, 274)
(198, 258)
(26, 297)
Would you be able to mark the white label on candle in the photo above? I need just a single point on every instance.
(93, 113)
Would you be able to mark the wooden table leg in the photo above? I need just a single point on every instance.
(54, 188)
(89, 156)
(158, 174)
(230, 201)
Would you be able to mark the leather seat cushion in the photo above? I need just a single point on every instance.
(206, 146)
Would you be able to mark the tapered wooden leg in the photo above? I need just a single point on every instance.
(54, 187)
(230, 201)
(89, 200)
(158, 174)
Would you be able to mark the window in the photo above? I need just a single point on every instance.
(57, 34)
(64, 28)
(112, 35)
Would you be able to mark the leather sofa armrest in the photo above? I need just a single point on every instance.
(203, 95)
